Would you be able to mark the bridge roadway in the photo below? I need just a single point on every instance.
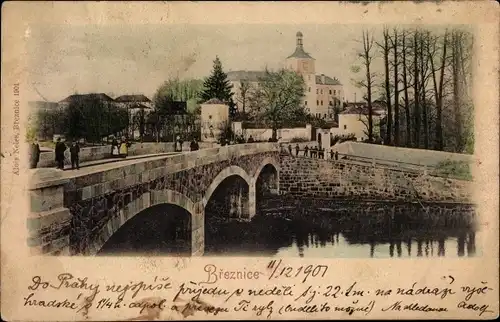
(96, 166)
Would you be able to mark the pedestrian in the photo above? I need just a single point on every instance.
(123, 148)
(336, 155)
(290, 149)
(114, 148)
(59, 151)
(313, 152)
(194, 145)
(250, 139)
(331, 154)
(297, 149)
(322, 153)
(306, 150)
(180, 144)
(75, 158)
(34, 154)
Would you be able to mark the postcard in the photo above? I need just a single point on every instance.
(249, 160)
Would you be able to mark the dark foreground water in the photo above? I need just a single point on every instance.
(307, 228)
(346, 230)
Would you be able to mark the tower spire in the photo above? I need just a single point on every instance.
(299, 40)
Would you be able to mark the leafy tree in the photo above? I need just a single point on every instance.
(278, 98)
(218, 86)
(90, 118)
(182, 90)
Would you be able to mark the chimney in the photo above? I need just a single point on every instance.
(323, 78)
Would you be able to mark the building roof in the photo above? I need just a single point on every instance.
(132, 98)
(42, 104)
(300, 53)
(139, 105)
(250, 75)
(328, 80)
(358, 109)
(214, 101)
(99, 96)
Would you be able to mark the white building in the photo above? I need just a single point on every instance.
(322, 94)
(354, 120)
(214, 118)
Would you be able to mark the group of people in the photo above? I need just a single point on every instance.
(313, 152)
(119, 149)
(74, 150)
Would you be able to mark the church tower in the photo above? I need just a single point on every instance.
(301, 62)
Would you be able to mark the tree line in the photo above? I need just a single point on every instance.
(425, 84)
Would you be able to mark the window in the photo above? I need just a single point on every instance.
(210, 117)
(321, 103)
(317, 102)
(305, 103)
(345, 127)
(321, 91)
(309, 89)
(324, 116)
(317, 91)
(334, 92)
(331, 103)
(330, 92)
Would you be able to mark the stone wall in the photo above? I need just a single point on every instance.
(47, 159)
(307, 177)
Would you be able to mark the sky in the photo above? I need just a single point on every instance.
(137, 59)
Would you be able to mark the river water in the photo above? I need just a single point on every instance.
(345, 230)
(306, 228)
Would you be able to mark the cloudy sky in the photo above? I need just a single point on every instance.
(136, 59)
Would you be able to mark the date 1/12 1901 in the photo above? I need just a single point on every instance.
(279, 271)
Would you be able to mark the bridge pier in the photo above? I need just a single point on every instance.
(49, 221)
(242, 204)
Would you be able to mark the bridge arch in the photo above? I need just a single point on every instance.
(267, 163)
(221, 176)
(147, 201)
(249, 195)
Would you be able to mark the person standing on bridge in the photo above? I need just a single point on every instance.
(290, 149)
(59, 152)
(75, 158)
(123, 148)
(114, 148)
(306, 150)
(194, 145)
(297, 149)
(331, 154)
(34, 154)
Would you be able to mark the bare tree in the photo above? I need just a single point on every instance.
(245, 88)
(385, 47)
(438, 81)
(396, 87)
(406, 86)
(366, 56)
(416, 92)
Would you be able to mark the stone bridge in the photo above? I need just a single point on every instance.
(77, 212)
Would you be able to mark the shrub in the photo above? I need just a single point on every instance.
(342, 138)
(298, 140)
(456, 169)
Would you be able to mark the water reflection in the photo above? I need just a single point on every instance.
(377, 233)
